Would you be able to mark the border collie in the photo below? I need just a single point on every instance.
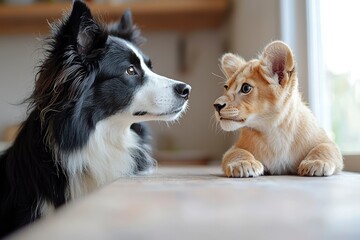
(83, 130)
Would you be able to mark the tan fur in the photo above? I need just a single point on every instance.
(279, 134)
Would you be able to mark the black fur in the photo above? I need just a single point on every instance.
(28, 174)
(126, 29)
(80, 82)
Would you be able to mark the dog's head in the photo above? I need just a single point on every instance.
(97, 71)
(257, 90)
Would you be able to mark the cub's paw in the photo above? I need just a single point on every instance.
(316, 168)
(244, 168)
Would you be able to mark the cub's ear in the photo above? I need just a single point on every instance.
(80, 30)
(125, 29)
(230, 63)
(277, 61)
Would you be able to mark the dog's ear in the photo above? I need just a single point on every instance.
(125, 29)
(230, 63)
(84, 33)
(277, 61)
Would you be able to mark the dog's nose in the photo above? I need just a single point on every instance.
(183, 90)
(218, 107)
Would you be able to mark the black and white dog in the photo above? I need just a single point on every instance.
(83, 130)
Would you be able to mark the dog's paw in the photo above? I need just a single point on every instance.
(244, 168)
(316, 168)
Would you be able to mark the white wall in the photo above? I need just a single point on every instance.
(253, 23)
(17, 60)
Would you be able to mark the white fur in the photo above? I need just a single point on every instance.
(105, 157)
(45, 208)
(230, 126)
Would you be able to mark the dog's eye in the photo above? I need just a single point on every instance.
(226, 87)
(131, 70)
(245, 88)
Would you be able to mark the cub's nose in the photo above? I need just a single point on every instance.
(182, 90)
(218, 107)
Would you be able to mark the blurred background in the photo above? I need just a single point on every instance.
(185, 39)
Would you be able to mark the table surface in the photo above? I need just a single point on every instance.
(200, 203)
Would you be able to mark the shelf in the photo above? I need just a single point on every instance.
(149, 15)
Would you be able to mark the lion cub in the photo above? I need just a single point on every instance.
(279, 134)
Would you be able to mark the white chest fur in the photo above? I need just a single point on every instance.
(280, 158)
(106, 157)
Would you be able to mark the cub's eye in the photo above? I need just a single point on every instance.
(226, 87)
(246, 88)
(131, 70)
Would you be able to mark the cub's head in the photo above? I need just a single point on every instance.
(256, 91)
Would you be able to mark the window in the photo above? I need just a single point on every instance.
(334, 86)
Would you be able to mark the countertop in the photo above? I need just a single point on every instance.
(200, 203)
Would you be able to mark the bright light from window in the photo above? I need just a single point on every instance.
(339, 38)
